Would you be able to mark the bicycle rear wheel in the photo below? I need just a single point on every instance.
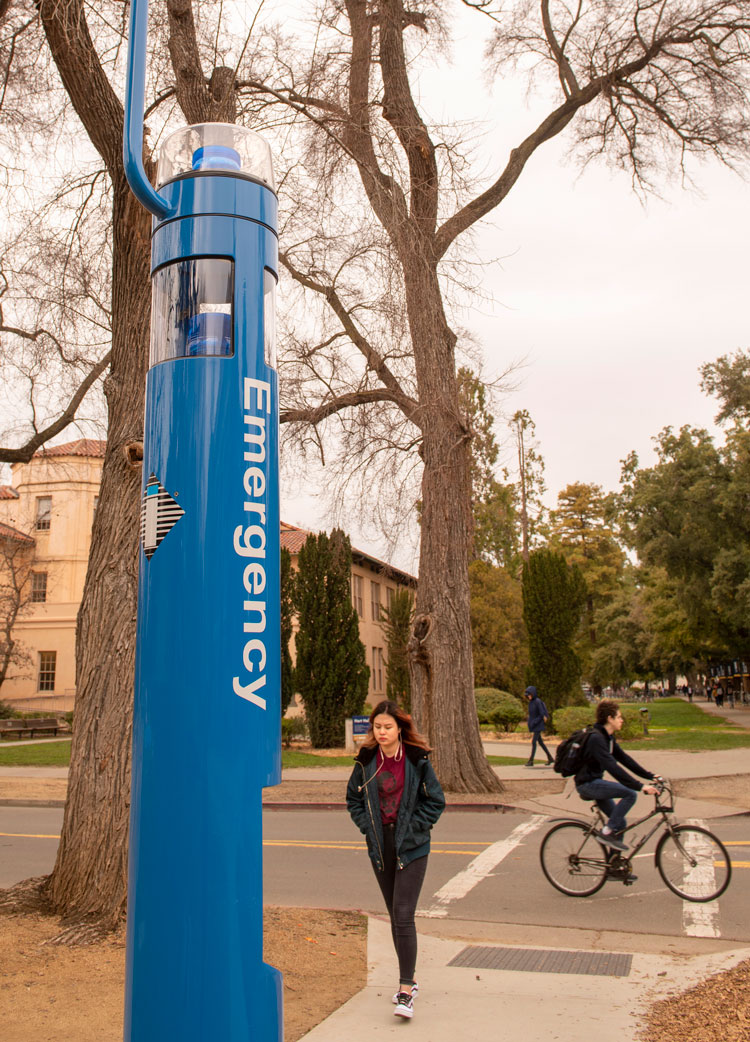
(573, 860)
(693, 863)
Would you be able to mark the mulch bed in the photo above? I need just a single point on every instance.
(716, 1010)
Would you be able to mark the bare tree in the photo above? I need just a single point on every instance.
(636, 84)
(16, 557)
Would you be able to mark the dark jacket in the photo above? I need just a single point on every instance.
(603, 753)
(422, 803)
(537, 714)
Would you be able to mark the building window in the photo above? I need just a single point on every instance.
(377, 669)
(96, 504)
(389, 592)
(47, 670)
(357, 601)
(43, 513)
(375, 601)
(38, 587)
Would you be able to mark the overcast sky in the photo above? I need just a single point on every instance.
(612, 304)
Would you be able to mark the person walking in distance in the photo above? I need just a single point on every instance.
(394, 798)
(537, 720)
(602, 753)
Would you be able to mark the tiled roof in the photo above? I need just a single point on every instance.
(82, 447)
(13, 535)
(293, 539)
(8, 492)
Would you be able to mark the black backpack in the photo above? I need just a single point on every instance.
(570, 755)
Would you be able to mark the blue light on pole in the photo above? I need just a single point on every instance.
(206, 723)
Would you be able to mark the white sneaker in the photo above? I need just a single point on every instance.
(404, 1006)
(414, 990)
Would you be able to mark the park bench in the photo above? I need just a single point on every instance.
(32, 727)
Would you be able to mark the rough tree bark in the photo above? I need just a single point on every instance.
(88, 884)
(440, 648)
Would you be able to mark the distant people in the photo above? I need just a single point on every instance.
(537, 721)
(719, 695)
(690, 692)
(603, 753)
(394, 798)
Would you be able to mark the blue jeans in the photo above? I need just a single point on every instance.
(605, 793)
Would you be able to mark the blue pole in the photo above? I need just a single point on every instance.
(132, 143)
(206, 727)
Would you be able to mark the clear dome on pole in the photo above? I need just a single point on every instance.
(215, 148)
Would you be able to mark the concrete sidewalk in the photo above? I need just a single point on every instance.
(725, 764)
(464, 1002)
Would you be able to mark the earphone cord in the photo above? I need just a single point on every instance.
(398, 756)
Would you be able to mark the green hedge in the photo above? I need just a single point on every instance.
(574, 718)
(292, 727)
(500, 709)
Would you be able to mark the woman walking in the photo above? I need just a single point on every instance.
(394, 798)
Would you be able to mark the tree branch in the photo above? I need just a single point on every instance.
(214, 101)
(568, 80)
(315, 414)
(74, 54)
(25, 452)
(402, 114)
(374, 359)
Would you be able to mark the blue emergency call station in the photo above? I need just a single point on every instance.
(206, 729)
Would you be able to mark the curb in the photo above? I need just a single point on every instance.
(502, 808)
(31, 803)
(488, 808)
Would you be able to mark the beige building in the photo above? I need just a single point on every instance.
(49, 504)
(46, 514)
(373, 584)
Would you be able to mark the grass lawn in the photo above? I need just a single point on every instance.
(295, 758)
(675, 724)
(46, 754)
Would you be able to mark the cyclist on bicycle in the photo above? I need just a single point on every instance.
(603, 753)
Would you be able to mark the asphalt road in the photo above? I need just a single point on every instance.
(484, 867)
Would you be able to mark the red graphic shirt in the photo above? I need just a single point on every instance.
(390, 786)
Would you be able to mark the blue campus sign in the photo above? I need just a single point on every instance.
(206, 735)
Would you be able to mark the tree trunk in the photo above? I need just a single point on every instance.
(440, 647)
(89, 881)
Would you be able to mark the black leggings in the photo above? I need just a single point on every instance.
(401, 888)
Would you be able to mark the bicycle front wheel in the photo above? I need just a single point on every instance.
(693, 863)
(573, 860)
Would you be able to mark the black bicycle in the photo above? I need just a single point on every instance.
(693, 863)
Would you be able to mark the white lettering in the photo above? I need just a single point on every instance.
(250, 647)
(256, 608)
(254, 578)
(243, 541)
(257, 508)
(264, 391)
(248, 691)
(254, 482)
(250, 540)
(256, 438)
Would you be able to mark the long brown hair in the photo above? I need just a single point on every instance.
(409, 735)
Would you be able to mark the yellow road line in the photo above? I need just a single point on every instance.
(313, 844)
(736, 842)
(347, 845)
(27, 835)
(343, 845)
